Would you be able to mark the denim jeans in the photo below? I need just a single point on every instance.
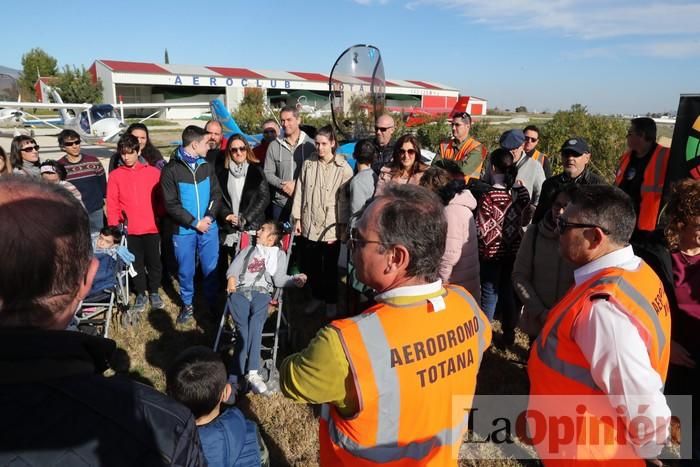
(249, 316)
(497, 293)
(97, 220)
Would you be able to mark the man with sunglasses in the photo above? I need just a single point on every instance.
(575, 157)
(532, 138)
(87, 174)
(417, 348)
(607, 341)
(467, 152)
(383, 138)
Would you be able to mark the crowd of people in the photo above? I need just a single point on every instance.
(593, 273)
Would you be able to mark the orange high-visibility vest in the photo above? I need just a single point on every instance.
(539, 157)
(447, 151)
(652, 185)
(557, 367)
(407, 363)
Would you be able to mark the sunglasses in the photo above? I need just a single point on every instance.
(356, 241)
(410, 152)
(30, 148)
(532, 140)
(71, 143)
(269, 132)
(563, 225)
(571, 154)
(237, 149)
(382, 129)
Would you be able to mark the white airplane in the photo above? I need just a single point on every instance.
(94, 122)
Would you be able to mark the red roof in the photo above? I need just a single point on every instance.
(423, 84)
(310, 76)
(235, 72)
(134, 67)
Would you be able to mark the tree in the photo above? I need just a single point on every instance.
(605, 135)
(76, 85)
(249, 114)
(35, 63)
(167, 58)
(521, 109)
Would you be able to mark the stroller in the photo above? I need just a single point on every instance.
(282, 325)
(110, 290)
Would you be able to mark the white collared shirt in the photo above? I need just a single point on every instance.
(614, 345)
(410, 291)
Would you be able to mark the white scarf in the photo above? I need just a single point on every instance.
(270, 255)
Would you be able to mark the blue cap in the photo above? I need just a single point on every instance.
(512, 139)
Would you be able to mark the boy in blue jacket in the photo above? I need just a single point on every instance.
(197, 380)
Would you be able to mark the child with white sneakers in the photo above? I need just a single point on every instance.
(251, 279)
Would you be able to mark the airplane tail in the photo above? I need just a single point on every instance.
(460, 106)
(220, 113)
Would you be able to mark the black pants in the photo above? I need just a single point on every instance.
(146, 251)
(319, 261)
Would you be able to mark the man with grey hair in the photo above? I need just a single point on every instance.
(283, 162)
(419, 346)
(52, 386)
(607, 341)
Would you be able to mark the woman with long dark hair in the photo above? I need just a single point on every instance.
(499, 220)
(148, 153)
(406, 165)
(5, 163)
(245, 193)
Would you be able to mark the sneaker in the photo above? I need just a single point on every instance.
(185, 315)
(257, 385)
(331, 310)
(313, 305)
(140, 303)
(156, 302)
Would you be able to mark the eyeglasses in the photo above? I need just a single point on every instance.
(382, 129)
(410, 152)
(532, 140)
(356, 240)
(563, 225)
(30, 148)
(237, 149)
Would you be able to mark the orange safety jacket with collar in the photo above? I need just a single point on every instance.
(539, 157)
(652, 185)
(557, 367)
(447, 151)
(407, 362)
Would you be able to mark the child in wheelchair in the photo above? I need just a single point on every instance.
(252, 278)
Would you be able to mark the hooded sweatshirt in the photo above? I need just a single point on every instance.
(135, 191)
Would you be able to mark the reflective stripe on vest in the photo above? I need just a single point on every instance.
(392, 451)
(652, 185)
(386, 446)
(547, 351)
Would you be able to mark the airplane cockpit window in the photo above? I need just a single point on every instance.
(84, 123)
(98, 112)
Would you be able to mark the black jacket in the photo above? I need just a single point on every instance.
(384, 156)
(58, 409)
(553, 184)
(254, 199)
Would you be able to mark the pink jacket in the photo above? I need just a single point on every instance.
(460, 262)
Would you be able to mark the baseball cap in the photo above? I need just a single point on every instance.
(576, 144)
(512, 139)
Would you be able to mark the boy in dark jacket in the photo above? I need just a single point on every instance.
(192, 199)
(197, 379)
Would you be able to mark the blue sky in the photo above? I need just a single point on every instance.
(624, 56)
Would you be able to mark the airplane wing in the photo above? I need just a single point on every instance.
(43, 105)
(163, 105)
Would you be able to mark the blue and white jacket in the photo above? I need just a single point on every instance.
(189, 193)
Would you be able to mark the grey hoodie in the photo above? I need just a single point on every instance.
(283, 163)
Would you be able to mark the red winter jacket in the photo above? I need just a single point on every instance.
(136, 191)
